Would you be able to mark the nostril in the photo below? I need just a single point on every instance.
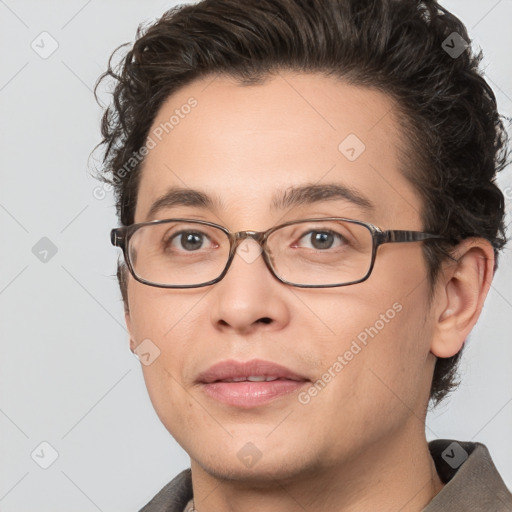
(265, 320)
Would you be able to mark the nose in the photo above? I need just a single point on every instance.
(249, 297)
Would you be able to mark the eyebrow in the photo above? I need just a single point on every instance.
(178, 196)
(291, 197)
(316, 193)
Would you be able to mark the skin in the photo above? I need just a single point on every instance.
(360, 443)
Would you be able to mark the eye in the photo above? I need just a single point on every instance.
(321, 240)
(187, 240)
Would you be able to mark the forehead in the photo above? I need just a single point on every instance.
(242, 144)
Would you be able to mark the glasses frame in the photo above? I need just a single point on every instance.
(120, 237)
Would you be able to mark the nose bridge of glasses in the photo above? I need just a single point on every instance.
(240, 236)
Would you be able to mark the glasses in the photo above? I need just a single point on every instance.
(309, 253)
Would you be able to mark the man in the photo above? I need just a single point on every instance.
(310, 227)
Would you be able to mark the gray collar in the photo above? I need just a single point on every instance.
(472, 482)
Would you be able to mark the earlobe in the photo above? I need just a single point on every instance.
(462, 285)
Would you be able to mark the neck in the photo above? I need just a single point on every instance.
(395, 474)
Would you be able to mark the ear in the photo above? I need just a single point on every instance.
(128, 321)
(122, 279)
(461, 288)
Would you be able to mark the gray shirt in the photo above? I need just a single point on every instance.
(472, 483)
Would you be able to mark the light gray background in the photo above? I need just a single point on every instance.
(67, 375)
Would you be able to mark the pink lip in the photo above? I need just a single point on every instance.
(248, 394)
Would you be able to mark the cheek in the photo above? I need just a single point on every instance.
(163, 324)
(164, 316)
(374, 363)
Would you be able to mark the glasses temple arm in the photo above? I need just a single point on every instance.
(405, 236)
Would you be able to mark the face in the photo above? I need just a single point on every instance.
(360, 352)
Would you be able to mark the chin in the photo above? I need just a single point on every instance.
(262, 474)
(249, 464)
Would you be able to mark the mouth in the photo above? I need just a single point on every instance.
(253, 378)
(249, 384)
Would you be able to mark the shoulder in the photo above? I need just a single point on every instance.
(174, 496)
(471, 479)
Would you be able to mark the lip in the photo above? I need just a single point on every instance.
(247, 394)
